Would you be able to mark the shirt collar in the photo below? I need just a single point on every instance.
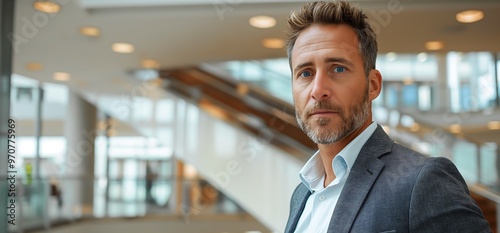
(312, 174)
(351, 151)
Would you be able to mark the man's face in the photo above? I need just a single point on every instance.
(329, 86)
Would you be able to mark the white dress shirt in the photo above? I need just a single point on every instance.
(320, 205)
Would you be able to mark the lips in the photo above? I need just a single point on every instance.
(321, 112)
(323, 109)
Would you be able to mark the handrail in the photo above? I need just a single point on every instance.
(485, 192)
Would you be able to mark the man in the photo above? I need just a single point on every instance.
(360, 180)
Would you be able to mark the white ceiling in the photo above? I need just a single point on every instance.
(180, 32)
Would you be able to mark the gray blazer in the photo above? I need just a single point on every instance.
(393, 189)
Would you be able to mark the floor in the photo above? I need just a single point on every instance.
(195, 224)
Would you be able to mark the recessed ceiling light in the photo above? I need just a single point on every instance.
(494, 125)
(273, 43)
(455, 128)
(434, 45)
(47, 7)
(33, 66)
(469, 16)
(150, 64)
(61, 76)
(122, 47)
(90, 31)
(262, 21)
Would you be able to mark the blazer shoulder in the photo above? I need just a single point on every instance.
(440, 201)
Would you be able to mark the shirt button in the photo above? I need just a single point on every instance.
(322, 198)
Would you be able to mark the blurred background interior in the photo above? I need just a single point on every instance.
(177, 115)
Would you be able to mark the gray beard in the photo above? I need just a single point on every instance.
(348, 125)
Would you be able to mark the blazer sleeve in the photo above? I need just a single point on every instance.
(440, 201)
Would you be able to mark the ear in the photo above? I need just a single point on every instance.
(374, 84)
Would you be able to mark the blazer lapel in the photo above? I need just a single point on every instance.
(361, 178)
(298, 203)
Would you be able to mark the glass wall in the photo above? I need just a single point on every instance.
(497, 71)
(39, 110)
(134, 175)
(472, 81)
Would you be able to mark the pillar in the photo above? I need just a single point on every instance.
(6, 29)
(80, 132)
(498, 182)
(497, 174)
(497, 80)
(441, 95)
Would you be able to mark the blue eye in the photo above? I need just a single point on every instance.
(339, 69)
(306, 74)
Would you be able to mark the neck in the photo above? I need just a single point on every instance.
(328, 151)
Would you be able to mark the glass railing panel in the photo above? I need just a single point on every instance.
(465, 158)
(34, 203)
(490, 162)
(437, 149)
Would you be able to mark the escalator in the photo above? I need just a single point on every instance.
(244, 105)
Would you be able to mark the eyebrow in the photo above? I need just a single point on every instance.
(327, 60)
(339, 60)
(302, 65)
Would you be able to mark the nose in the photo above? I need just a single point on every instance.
(321, 87)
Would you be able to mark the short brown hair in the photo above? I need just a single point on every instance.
(321, 12)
